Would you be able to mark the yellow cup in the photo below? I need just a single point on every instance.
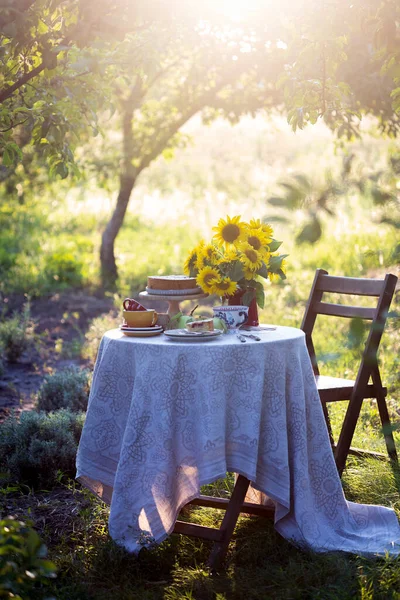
(140, 318)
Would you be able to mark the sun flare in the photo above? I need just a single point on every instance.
(237, 10)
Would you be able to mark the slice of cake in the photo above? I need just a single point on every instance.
(200, 325)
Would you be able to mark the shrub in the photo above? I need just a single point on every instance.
(40, 446)
(2, 369)
(97, 329)
(23, 565)
(64, 267)
(17, 334)
(67, 388)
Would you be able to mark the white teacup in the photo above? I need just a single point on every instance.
(233, 316)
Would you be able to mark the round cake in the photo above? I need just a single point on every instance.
(171, 282)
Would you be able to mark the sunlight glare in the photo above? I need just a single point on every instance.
(237, 10)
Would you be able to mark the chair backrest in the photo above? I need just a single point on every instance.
(382, 289)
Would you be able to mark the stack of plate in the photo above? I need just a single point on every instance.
(141, 331)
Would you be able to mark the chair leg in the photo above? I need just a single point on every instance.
(384, 415)
(328, 423)
(347, 432)
(229, 521)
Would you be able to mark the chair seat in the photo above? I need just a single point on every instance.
(334, 389)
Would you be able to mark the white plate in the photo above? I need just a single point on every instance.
(196, 290)
(153, 328)
(183, 335)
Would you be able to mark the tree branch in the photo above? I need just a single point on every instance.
(7, 92)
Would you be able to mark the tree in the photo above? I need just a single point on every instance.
(57, 59)
(65, 62)
(300, 57)
(198, 69)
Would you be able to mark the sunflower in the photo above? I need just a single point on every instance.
(206, 279)
(274, 276)
(265, 227)
(251, 259)
(210, 254)
(190, 265)
(230, 231)
(248, 274)
(258, 239)
(224, 286)
(199, 259)
(230, 255)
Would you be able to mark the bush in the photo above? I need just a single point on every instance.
(64, 267)
(40, 446)
(2, 369)
(17, 334)
(23, 565)
(97, 329)
(68, 388)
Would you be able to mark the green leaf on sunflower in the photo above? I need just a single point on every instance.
(275, 262)
(281, 274)
(247, 297)
(274, 245)
(249, 283)
(263, 271)
(260, 296)
(235, 272)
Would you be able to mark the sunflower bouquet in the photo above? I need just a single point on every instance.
(238, 257)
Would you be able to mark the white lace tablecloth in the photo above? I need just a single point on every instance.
(166, 417)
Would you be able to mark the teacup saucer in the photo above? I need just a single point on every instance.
(151, 328)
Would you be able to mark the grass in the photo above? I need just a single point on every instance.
(260, 564)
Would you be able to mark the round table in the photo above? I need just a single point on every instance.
(166, 417)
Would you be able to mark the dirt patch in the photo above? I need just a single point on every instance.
(61, 323)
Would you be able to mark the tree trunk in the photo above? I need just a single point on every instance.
(109, 271)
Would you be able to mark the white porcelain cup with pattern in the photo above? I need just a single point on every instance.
(233, 316)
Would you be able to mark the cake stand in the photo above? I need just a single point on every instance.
(173, 301)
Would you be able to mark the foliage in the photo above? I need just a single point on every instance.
(300, 193)
(57, 59)
(23, 565)
(96, 330)
(38, 252)
(17, 334)
(2, 368)
(40, 447)
(239, 254)
(163, 69)
(64, 267)
(68, 388)
(337, 52)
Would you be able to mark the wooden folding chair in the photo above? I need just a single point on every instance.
(233, 507)
(332, 389)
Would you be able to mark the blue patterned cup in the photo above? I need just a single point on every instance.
(232, 316)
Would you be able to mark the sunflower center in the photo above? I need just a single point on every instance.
(230, 232)
(252, 256)
(209, 278)
(255, 242)
(223, 285)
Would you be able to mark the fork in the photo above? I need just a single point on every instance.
(241, 337)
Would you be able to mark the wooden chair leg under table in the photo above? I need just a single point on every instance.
(233, 507)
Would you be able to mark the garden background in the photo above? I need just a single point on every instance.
(334, 203)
